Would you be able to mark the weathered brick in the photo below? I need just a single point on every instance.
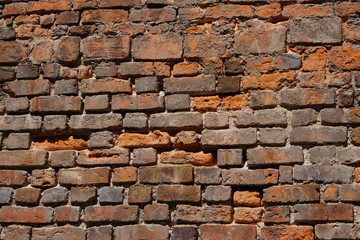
(97, 103)
(16, 141)
(27, 71)
(287, 232)
(68, 17)
(318, 135)
(124, 214)
(178, 193)
(108, 195)
(23, 158)
(66, 232)
(14, 214)
(7, 74)
(82, 195)
(271, 39)
(67, 214)
(43, 177)
(215, 194)
(292, 194)
(7, 33)
(186, 69)
(305, 213)
(106, 48)
(215, 120)
(23, 122)
(235, 232)
(307, 97)
(64, 143)
(13, 177)
(144, 156)
(137, 103)
(286, 174)
(243, 177)
(139, 194)
(28, 87)
(166, 174)
(84, 176)
(322, 30)
(17, 232)
(209, 103)
(104, 157)
(287, 61)
(164, 14)
(247, 198)
(207, 175)
(277, 214)
(272, 81)
(68, 50)
(269, 156)
(136, 69)
(228, 84)
(200, 85)
(135, 120)
(272, 136)
(187, 14)
(48, 6)
(235, 102)
(182, 157)
(262, 99)
(248, 215)
(54, 196)
(12, 52)
(303, 117)
(96, 121)
(154, 139)
(27, 196)
(55, 104)
(187, 140)
(323, 174)
(331, 193)
(146, 47)
(106, 85)
(5, 195)
(103, 139)
(51, 70)
(156, 213)
(62, 158)
(175, 120)
(150, 232)
(229, 137)
(345, 57)
(350, 192)
(230, 157)
(204, 46)
(177, 102)
(106, 69)
(337, 230)
(101, 232)
(104, 16)
(206, 214)
(66, 87)
(146, 84)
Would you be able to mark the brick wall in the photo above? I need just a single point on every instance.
(180, 119)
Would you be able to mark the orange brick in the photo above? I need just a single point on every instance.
(247, 198)
(315, 61)
(61, 144)
(235, 102)
(124, 175)
(272, 81)
(270, 10)
(206, 103)
(104, 16)
(298, 10)
(186, 69)
(346, 57)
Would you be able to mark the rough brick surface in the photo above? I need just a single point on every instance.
(179, 119)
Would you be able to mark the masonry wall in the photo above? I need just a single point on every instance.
(180, 119)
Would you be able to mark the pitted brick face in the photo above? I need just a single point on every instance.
(179, 119)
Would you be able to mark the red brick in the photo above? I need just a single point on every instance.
(13, 178)
(277, 214)
(48, 6)
(292, 194)
(139, 102)
(54, 144)
(12, 52)
(28, 87)
(287, 233)
(120, 3)
(123, 214)
(186, 69)
(156, 213)
(104, 16)
(23, 158)
(67, 214)
(265, 38)
(228, 11)
(84, 176)
(153, 15)
(75, 233)
(140, 194)
(248, 215)
(346, 57)
(298, 10)
(306, 213)
(101, 232)
(205, 46)
(337, 231)
(166, 174)
(106, 48)
(178, 193)
(42, 51)
(68, 50)
(348, 8)
(12, 214)
(124, 175)
(82, 4)
(250, 177)
(56, 104)
(271, 10)
(149, 232)
(273, 81)
(147, 47)
(259, 64)
(27, 196)
(107, 85)
(17, 233)
(206, 214)
(154, 139)
(182, 157)
(233, 232)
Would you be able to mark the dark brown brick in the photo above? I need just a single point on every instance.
(123, 214)
(178, 193)
(12, 52)
(277, 214)
(13, 177)
(13, 214)
(106, 48)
